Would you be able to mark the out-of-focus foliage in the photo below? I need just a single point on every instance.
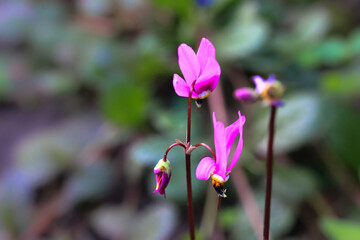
(87, 108)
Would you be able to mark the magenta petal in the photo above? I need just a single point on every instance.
(189, 63)
(206, 50)
(205, 168)
(209, 76)
(259, 83)
(180, 86)
(245, 94)
(231, 132)
(240, 124)
(220, 147)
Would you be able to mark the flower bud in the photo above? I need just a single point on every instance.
(163, 175)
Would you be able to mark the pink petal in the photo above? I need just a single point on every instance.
(220, 147)
(189, 63)
(180, 86)
(209, 76)
(239, 147)
(205, 168)
(205, 51)
(245, 94)
(231, 132)
(259, 83)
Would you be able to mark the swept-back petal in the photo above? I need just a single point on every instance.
(205, 168)
(189, 63)
(259, 83)
(240, 124)
(220, 147)
(209, 76)
(205, 51)
(231, 132)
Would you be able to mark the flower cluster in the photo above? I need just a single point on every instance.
(201, 73)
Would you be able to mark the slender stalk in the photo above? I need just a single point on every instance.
(188, 171)
(208, 148)
(170, 147)
(269, 170)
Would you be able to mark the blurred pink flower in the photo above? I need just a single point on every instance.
(270, 91)
(201, 67)
(223, 139)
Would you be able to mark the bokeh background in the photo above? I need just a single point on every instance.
(87, 108)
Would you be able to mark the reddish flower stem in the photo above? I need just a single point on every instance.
(209, 148)
(188, 169)
(269, 170)
(170, 147)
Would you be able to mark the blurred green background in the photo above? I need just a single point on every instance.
(87, 108)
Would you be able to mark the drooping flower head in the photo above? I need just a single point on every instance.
(163, 175)
(270, 90)
(218, 168)
(201, 67)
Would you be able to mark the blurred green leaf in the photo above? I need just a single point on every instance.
(114, 221)
(339, 128)
(148, 151)
(355, 42)
(55, 83)
(156, 222)
(227, 218)
(312, 24)
(4, 79)
(244, 35)
(45, 154)
(346, 83)
(336, 229)
(294, 184)
(282, 218)
(296, 123)
(89, 183)
(182, 8)
(125, 103)
(334, 51)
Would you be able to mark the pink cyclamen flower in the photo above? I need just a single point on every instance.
(270, 90)
(201, 67)
(223, 138)
(163, 175)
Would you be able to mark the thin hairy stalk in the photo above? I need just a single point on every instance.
(269, 170)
